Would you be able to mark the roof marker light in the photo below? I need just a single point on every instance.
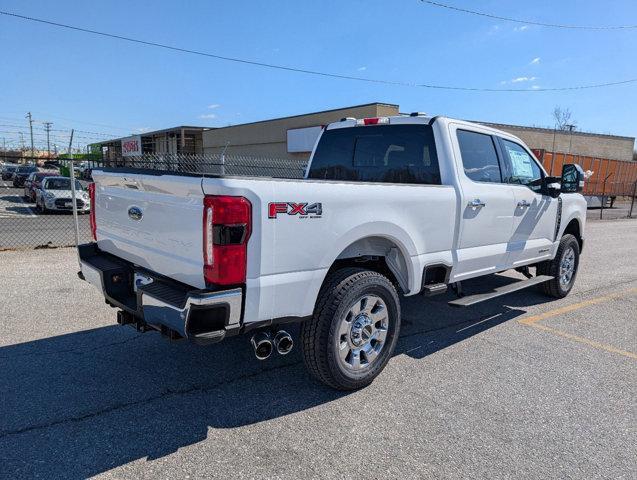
(373, 121)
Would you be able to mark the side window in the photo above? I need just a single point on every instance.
(479, 157)
(524, 169)
(382, 153)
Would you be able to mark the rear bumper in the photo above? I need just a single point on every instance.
(171, 307)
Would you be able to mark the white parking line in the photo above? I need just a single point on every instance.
(31, 212)
(7, 207)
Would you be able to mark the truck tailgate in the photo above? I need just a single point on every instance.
(154, 221)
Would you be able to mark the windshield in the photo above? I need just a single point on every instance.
(10, 168)
(61, 184)
(26, 169)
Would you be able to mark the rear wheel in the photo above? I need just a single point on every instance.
(354, 329)
(563, 268)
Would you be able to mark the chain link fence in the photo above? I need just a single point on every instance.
(27, 222)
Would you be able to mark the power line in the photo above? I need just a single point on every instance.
(312, 72)
(76, 121)
(530, 22)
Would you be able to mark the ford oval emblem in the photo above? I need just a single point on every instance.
(135, 213)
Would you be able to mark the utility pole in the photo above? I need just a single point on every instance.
(31, 128)
(570, 127)
(47, 128)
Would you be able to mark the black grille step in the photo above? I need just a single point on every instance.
(166, 293)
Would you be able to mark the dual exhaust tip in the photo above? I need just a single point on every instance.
(264, 344)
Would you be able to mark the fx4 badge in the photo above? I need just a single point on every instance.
(303, 210)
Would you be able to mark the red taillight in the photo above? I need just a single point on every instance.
(227, 225)
(370, 121)
(91, 196)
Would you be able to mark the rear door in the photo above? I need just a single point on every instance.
(535, 214)
(486, 204)
(154, 221)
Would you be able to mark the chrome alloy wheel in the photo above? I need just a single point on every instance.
(567, 266)
(362, 332)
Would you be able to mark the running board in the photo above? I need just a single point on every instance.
(498, 292)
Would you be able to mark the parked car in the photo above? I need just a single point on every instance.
(55, 195)
(8, 170)
(34, 182)
(22, 173)
(392, 205)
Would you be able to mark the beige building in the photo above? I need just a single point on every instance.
(577, 143)
(288, 137)
(294, 137)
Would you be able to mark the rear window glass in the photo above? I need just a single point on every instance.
(378, 153)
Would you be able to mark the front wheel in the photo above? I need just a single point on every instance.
(354, 329)
(563, 268)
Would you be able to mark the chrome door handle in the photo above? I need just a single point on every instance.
(476, 203)
(524, 204)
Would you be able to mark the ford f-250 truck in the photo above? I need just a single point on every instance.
(388, 206)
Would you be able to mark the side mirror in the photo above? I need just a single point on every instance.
(572, 178)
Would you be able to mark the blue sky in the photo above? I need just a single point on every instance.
(108, 86)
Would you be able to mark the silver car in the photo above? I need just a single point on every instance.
(55, 195)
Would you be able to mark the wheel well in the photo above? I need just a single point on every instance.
(573, 228)
(377, 264)
(378, 254)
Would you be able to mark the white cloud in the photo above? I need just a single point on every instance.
(142, 129)
(521, 29)
(212, 106)
(208, 116)
(535, 61)
(535, 87)
(493, 30)
(523, 79)
(361, 69)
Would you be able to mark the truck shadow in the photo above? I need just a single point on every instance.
(80, 404)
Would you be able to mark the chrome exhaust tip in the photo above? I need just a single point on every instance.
(283, 342)
(262, 345)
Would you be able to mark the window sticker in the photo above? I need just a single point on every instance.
(521, 163)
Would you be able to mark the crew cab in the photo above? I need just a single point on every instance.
(390, 206)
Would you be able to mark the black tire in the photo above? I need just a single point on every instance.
(556, 288)
(319, 335)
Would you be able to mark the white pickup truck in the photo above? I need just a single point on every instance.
(392, 205)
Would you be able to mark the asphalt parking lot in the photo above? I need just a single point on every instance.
(21, 226)
(520, 387)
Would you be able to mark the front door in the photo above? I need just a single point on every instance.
(486, 208)
(535, 214)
